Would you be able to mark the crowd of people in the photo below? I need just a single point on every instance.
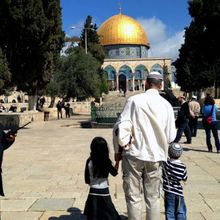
(146, 140)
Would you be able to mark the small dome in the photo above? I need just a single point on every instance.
(122, 29)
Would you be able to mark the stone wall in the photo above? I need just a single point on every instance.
(82, 108)
(15, 120)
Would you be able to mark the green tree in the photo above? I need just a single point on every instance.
(93, 42)
(53, 87)
(5, 74)
(96, 49)
(78, 75)
(198, 64)
(31, 36)
(103, 82)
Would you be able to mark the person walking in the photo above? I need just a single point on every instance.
(174, 171)
(145, 128)
(99, 205)
(182, 121)
(194, 109)
(210, 109)
(67, 109)
(59, 109)
(6, 140)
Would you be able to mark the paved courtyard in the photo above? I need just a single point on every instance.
(43, 174)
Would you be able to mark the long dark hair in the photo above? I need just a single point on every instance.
(100, 157)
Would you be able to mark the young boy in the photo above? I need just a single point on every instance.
(173, 172)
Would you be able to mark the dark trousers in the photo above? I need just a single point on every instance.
(59, 113)
(67, 113)
(193, 124)
(214, 128)
(183, 127)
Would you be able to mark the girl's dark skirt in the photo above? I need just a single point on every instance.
(99, 205)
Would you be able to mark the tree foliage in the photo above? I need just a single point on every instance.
(77, 75)
(5, 74)
(198, 65)
(31, 37)
(93, 42)
(96, 49)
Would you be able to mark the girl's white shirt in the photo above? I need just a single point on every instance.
(97, 183)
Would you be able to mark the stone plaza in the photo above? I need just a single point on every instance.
(43, 174)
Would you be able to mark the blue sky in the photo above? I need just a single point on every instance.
(163, 20)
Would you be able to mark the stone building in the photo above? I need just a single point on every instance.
(127, 63)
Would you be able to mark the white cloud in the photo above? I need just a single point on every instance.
(75, 29)
(162, 44)
(155, 29)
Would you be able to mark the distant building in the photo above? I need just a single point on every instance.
(127, 63)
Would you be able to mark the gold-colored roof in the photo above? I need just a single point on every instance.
(122, 29)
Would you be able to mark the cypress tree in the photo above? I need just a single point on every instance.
(31, 36)
(198, 65)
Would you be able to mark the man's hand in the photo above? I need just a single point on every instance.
(11, 137)
(118, 156)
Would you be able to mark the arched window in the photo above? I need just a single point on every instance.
(157, 67)
(126, 70)
(141, 72)
(111, 73)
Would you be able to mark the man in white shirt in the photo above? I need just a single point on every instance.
(145, 128)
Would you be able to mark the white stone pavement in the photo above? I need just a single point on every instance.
(43, 174)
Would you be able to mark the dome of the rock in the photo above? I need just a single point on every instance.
(122, 30)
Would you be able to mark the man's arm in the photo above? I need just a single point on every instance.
(8, 140)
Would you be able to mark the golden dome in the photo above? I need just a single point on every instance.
(122, 29)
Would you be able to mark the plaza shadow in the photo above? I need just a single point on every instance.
(192, 149)
(75, 214)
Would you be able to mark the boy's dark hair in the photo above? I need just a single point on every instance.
(100, 157)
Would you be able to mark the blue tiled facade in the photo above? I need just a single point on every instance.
(126, 51)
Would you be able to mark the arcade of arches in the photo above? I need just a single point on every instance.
(130, 75)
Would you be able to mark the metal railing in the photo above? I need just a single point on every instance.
(110, 113)
(106, 113)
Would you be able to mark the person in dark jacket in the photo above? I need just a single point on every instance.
(182, 121)
(6, 140)
(59, 109)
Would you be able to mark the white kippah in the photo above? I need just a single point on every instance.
(155, 75)
(175, 150)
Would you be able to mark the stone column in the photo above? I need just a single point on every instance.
(117, 80)
(133, 77)
(127, 83)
